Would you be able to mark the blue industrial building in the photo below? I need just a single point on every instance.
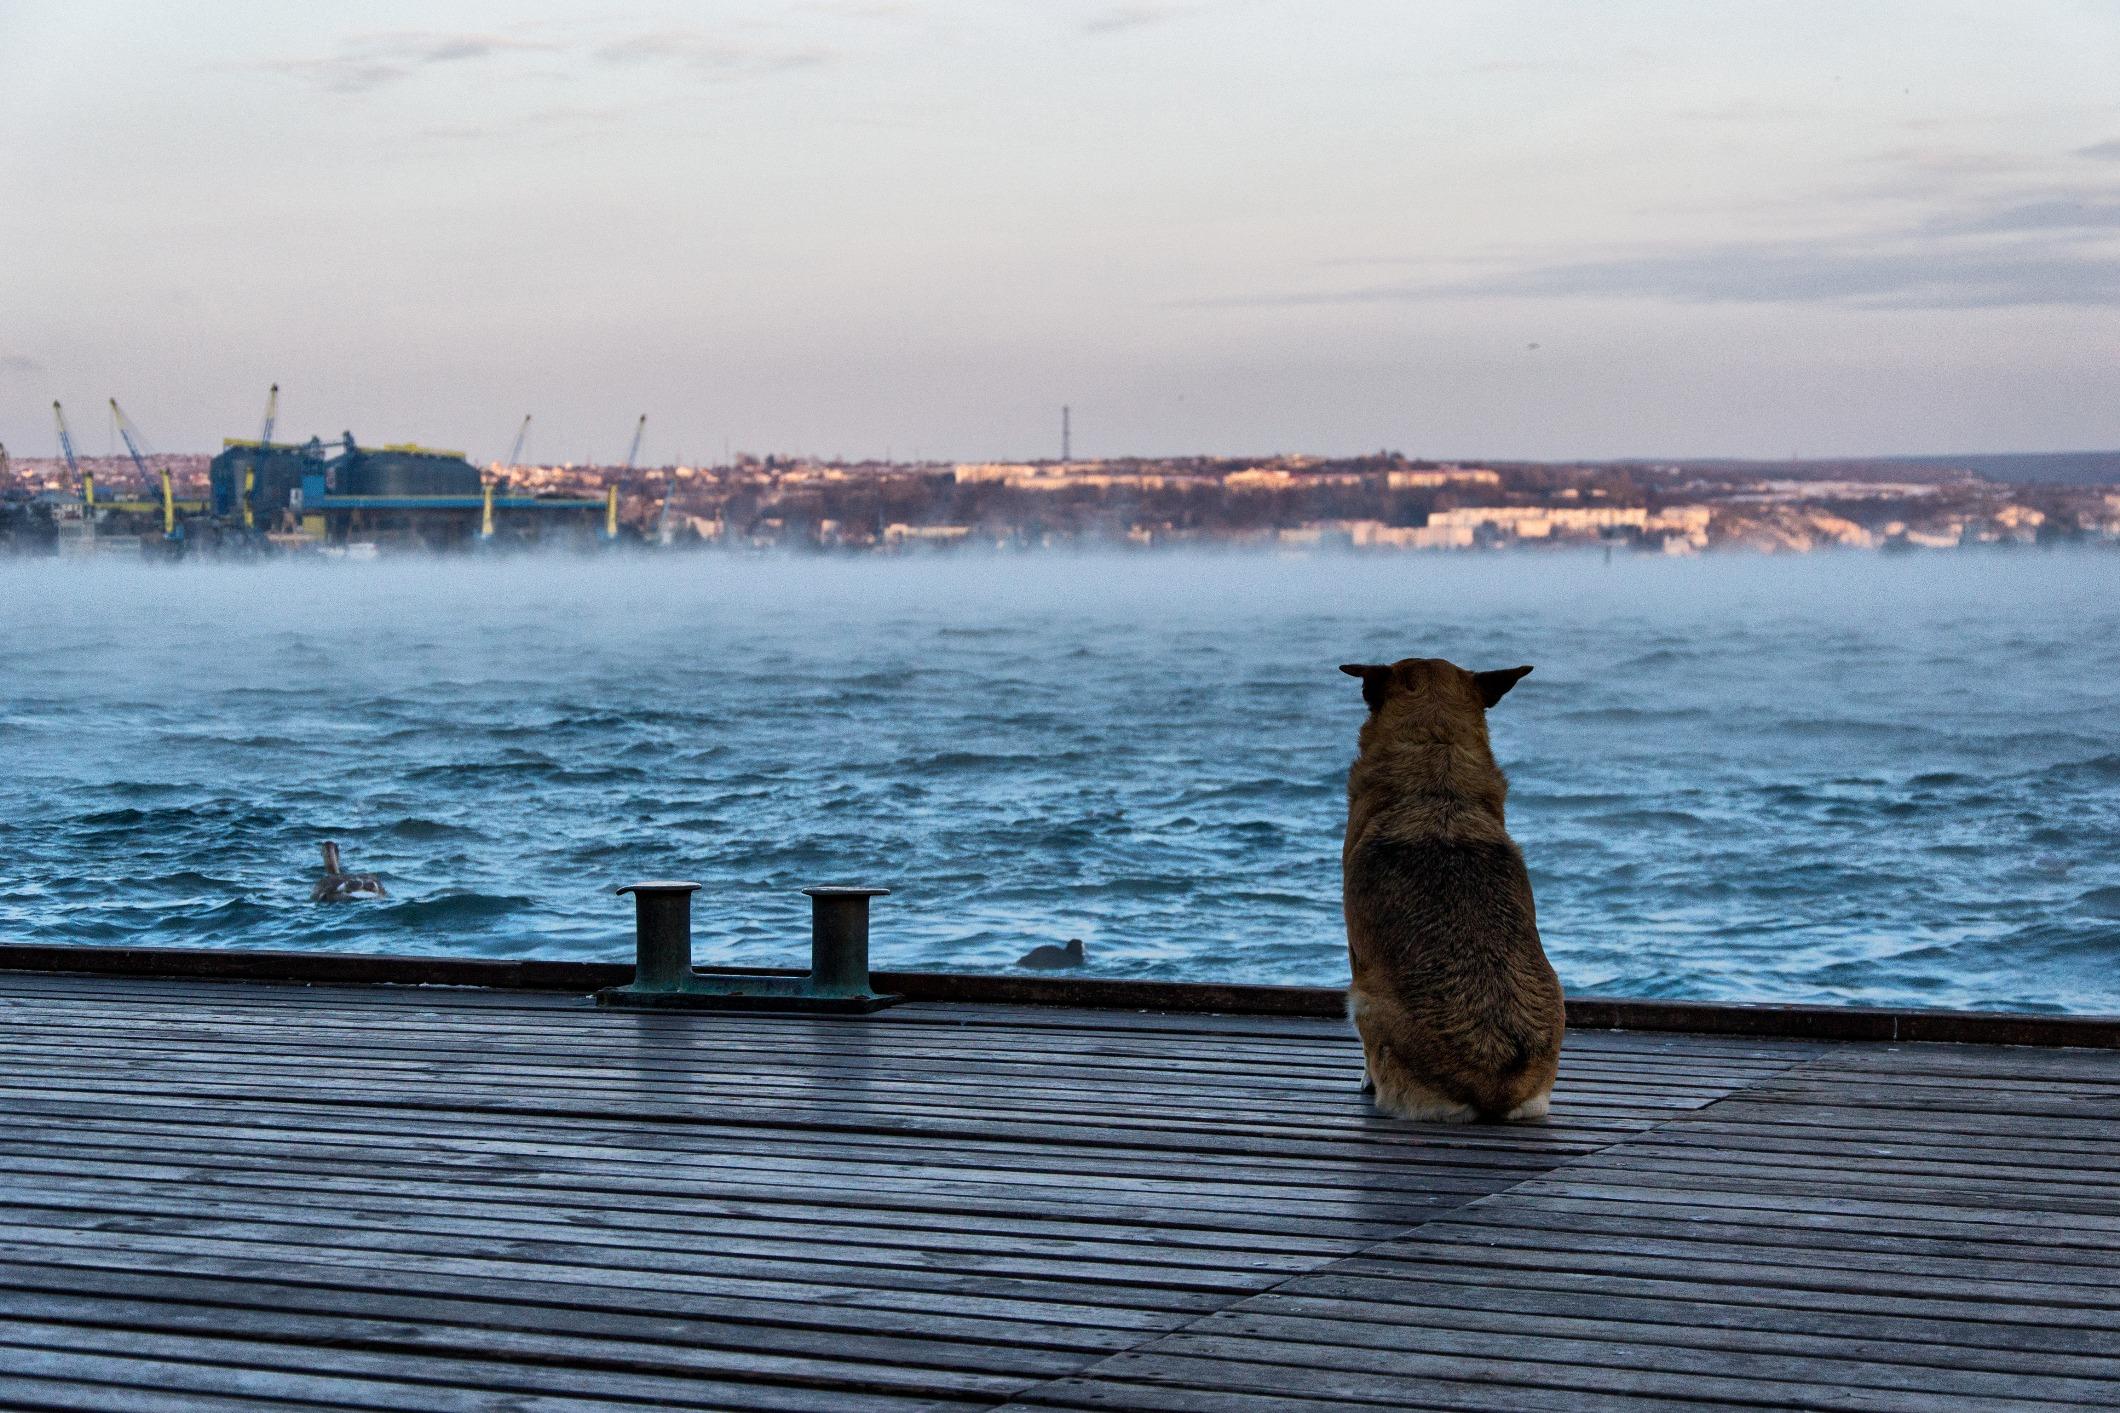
(341, 492)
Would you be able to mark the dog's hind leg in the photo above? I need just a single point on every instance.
(1354, 1018)
(1397, 1092)
(1535, 1107)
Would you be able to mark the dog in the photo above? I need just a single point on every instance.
(1459, 1012)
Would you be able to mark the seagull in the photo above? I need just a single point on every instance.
(337, 887)
(1051, 958)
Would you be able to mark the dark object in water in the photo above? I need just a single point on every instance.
(337, 887)
(1051, 958)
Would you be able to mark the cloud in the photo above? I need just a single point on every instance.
(558, 123)
(710, 56)
(367, 62)
(2052, 249)
(18, 364)
(1140, 14)
(1888, 276)
(2055, 213)
(364, 63)
(1953, 161)
(2102, 151)
(888, 10)
(1747, 110)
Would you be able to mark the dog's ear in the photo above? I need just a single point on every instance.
(1495, 685)
(1376, 680)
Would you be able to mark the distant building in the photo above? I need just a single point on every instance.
(1442, 476)
(1539, 522)
(897, 534)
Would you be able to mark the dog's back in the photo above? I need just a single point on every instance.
(1459, 1012)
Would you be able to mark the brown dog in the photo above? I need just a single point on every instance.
(1458, 1009)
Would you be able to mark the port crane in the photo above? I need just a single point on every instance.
(611, 492)
(133, 443)
(272, 415)
(662, 518)
(515, 453)
(73, 463)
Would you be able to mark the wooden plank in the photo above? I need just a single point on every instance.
(114, 1210)
(598, 1288)
(682, 1211)
(1155, 1069)
(1699, 1323)
(1027, 1280)
(1290, 1161)
(1178, 1219)
(2042, 1248)
(634, 1313)
(925, 1362)
(1471, 1395)
(421, 1384)
(1566, 1242)
(73, 1392)
(1972, 1322)
(1392, 1378)
(1151, 1178)
(675, 1042)
(2021, 1301)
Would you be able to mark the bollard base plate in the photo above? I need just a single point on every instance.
(626, 998)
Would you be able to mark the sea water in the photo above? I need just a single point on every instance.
(1889, 780)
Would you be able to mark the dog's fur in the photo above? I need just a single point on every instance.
(1458, 1009)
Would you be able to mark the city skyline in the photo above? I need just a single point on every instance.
(920, 229)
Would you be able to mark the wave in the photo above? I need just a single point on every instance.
(446, 909)
(548, 771)
(416, 828)
(1632, 715)
(1660, 657)
(2100, 902)
(2100, 770)
(1649, 819)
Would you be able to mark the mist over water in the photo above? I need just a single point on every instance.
(1890, 781)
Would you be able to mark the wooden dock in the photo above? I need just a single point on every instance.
(234, 1196)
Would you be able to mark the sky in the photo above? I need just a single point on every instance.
(1501, 230)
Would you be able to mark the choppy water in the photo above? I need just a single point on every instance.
(1860, 779)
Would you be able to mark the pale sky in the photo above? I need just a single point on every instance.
(1484, 229)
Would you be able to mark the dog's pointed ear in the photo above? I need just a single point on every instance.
(1376, 680)
(1495, 685)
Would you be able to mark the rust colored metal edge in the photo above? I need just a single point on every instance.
(582, 978)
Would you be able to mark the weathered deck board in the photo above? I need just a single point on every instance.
(233, 1195)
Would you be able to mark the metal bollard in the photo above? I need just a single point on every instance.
(663, 977)
(839, 939)
(662, 933)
